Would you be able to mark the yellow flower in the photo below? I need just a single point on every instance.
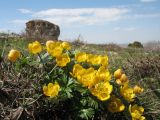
(58, 43)
(66, 45)
(97, 59)
(13, 55)
(137, 89)
(53, 43)
(35, 47)
(84, 76)
(81, 57)
(88, 77)
(54, 48)
(78, 70)
(56, 52)
(90, 57)
(115, 105)
(127, 93)
(93, 59)
(62, 60)
(136, 112)
(118, 74)
(50, 45)
(102, 90)
(103, 74)
(103, 60)
(51, 90)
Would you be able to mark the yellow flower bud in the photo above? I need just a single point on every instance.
(118, 81)
(123, 78)
(118, 73)
(137, 89)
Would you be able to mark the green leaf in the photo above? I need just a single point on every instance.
(87, 113)
(70, 82)
(84, 102)
(92, 103)
(68, 91)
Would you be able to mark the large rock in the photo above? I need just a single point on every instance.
(42, 30)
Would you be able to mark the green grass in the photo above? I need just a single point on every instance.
(7, 44)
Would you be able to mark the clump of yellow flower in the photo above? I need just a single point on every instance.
(136, 112)
(13, 55)
(115, 105)
(137, 89)
(51, 89)
(90, 77)
(121, 78)
(97, 80)
(102, 90)
(127, 93)
(62, 60)
(35, 47)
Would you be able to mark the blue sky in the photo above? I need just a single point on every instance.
(97, 21)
